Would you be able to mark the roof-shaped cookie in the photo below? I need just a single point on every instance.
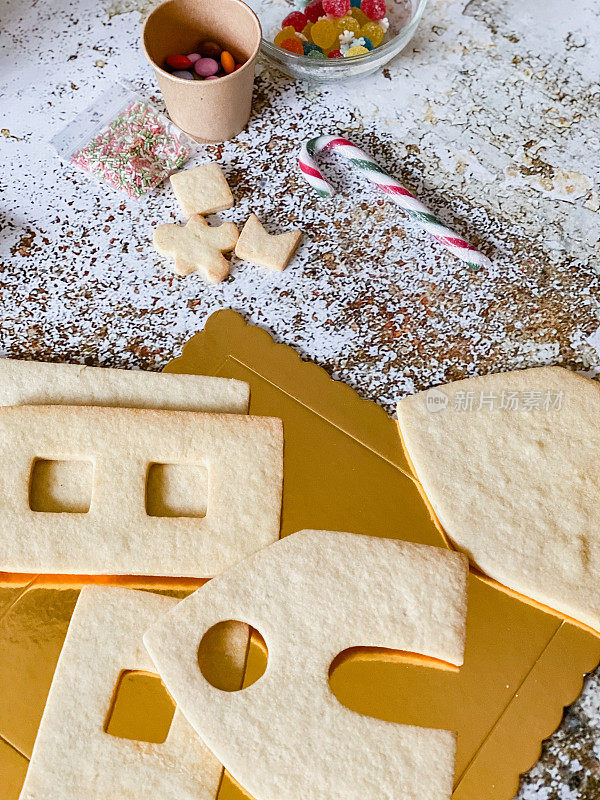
(509, 463)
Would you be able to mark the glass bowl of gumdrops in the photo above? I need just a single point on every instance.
(332, 40)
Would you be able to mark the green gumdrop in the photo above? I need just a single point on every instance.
(317, 54)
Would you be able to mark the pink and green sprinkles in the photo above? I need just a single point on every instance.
(135, 152)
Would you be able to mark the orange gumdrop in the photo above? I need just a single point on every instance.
(293, 46)
(227, 62)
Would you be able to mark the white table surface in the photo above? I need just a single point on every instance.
(491, 115)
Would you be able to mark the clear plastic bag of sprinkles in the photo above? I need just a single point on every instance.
(122, 140)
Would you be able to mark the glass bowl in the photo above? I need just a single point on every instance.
(403, 17)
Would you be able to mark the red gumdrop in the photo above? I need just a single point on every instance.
(314, 10)
(297, 20)
(293, 46)
(337, 8)
(334, 54)
(178, 62)
(374, 9)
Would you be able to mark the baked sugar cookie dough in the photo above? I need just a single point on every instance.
(313, 595)
(197, 246)
(62, 484)
(272, 251)
(74, 758)
(120, 534)
(510, 464)
(202, 190)
(40, 383)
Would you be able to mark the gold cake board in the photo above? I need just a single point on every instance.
(344, 470)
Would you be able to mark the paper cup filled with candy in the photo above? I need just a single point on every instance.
(203, 54)
(327, 40)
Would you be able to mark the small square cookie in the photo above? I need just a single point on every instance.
(202, 190)
(261, 248)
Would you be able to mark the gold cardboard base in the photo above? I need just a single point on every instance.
(344, 470)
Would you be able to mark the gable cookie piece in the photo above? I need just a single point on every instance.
(509, 463)
(202, 190)
(261, 248)
(197, 246)
(74, 757)
(313, 595)
(124, 530)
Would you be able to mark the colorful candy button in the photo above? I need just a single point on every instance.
(373, 32)
(308, 47)
(306, 31)
(210, 50)
(183, 73)
(324, 33)
(205, 67)
(227, 62)
(347, 23)
(178, 62)
(314, 10)
(285, 33)
(359, 16)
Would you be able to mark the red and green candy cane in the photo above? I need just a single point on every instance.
(369, 169)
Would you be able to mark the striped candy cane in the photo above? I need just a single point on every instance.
(370, 170)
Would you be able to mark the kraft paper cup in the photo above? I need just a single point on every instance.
(209, 111)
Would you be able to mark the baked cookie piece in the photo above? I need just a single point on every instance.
(197, 246)
(261, 248)
(509, 463)
(232, 464)
(202, 190)
(36, 383)
(313, 595)
(75, 755)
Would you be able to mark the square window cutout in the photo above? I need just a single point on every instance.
(141, 708)
(176, 490)
(61, 486)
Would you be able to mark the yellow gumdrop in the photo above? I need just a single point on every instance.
(373, 32)
(347, 23)
(357, 50)
(323, 34)
(285, 33)
(359, 16)
(306, 31)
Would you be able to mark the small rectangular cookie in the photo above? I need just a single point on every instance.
(74, 757)
(202, 190)
(40, 383)
(118, 532)
(263, 249)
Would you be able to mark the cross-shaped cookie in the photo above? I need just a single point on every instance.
(197, 246)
